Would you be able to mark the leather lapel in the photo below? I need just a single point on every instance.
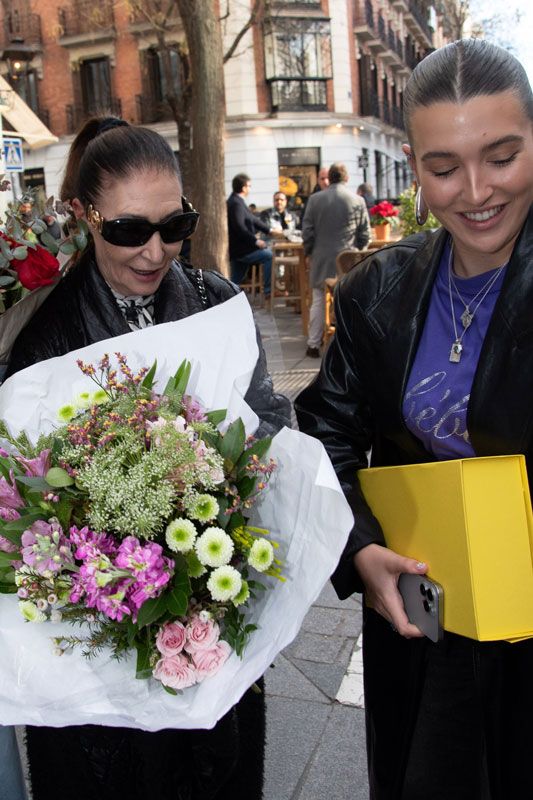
(500, 416)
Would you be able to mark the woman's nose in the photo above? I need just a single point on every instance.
(153, 249)
(478, 189)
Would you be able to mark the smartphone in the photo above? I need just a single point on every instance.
(423, 600)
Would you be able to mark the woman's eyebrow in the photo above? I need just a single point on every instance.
(511, 139)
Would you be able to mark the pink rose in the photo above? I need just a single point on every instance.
(171, 638)
(208, 662)
(201, 635)
(177, 672)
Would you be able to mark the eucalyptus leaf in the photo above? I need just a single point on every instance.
(58, 477)
(39, 226)
(80, 240)
(20, 253)
(6, 280)
(68, 248)
(50, 243)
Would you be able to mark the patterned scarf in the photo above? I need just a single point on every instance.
(138, 311)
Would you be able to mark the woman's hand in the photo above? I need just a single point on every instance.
(380, 569)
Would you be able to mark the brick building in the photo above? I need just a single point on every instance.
(316, 81)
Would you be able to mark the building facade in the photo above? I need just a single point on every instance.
(315, 81)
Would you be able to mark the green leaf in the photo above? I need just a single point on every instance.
(68, 248)
(222, 517)
(148, 381)
(58, 477)
(6, 280)
(7, 558)
(178, 597)
(143, 669)
(216, 417)
(20, 253)
(181, 378)
(38, 226)
(246, 486)
(258, 449)
(80, 241)
(232, 442)
(19, 525)
(169, 689)
(5, 249)
(152, 610)
(49, 242)
(7, 588)
(35, 483)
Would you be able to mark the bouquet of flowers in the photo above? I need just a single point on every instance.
(131, 519)
(383, 213)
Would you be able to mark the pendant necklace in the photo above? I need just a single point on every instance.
(468, 315)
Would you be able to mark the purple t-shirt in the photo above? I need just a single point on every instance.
(436, 399)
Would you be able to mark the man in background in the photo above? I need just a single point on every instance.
(322, 180)
(279, 217)
(335, 219)
(245, 248)
(366, 191)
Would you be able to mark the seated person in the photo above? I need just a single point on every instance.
(279, 217)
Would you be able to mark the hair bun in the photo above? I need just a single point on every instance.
(107, 123)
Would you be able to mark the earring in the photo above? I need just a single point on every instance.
(421, 209)
(94, 218)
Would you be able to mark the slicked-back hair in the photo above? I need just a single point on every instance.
(100, 154)
(239, 182)
(462, 70)
(337, 173)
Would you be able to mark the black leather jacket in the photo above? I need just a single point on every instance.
(82, 310)
(356, 404)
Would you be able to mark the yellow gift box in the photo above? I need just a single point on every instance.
(471, 521)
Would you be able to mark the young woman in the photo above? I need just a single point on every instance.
(124, 181)
(433, 359)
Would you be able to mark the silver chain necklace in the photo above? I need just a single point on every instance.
(468, 315)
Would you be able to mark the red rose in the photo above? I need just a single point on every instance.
(39, 268)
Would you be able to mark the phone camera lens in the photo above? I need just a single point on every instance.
(422, 589)
(426, 606)
(429, 595)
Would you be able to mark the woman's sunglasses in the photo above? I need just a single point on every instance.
(124, 232)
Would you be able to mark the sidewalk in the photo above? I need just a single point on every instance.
(315, 722)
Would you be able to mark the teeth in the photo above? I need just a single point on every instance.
(481, 216)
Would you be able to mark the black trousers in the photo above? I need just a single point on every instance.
(473, 738)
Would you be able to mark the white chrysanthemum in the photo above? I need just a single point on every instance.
(204, 507)
(224, 583)
(180, 535)
(214, 548)
(261, 555)
(30, 612)
(243, 595)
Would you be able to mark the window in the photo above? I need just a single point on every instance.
(26, 87)
(298, 62)
(95, 76)
(156, 72)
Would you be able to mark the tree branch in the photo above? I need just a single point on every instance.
(256, 15)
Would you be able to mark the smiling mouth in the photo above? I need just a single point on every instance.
(482, 216)
(145, 273)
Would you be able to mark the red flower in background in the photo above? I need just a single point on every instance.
(39, 268)
(383, 211)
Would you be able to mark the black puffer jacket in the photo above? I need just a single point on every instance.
(114, 763)
(82, 310)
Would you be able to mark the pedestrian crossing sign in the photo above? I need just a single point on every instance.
(13, 155)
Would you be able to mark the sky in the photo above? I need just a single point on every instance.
(519, 35)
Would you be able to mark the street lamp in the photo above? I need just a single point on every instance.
(17, 56)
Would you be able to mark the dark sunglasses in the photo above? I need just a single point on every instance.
(124, 232)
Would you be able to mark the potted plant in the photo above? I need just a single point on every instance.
(382, 217)
(408, 222)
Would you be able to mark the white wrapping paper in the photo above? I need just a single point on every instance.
(303, 507)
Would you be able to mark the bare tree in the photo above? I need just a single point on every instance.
(454, 14)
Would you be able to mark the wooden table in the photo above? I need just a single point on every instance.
(292, 253)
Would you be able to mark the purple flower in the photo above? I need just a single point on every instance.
(87, 542)
(6, 546)
(36, 467)
(45, 546)
(192, 410)
(9, 494)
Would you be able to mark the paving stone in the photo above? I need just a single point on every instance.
(316, 647)
(326, 677)
(328, 598)
(294, 730)
(338, 768)
(285, 679)
(333, 621)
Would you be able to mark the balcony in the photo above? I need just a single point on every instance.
(77, 115)
(150, 110)
(17, 27)
(86, 20)
(364, 25)
(416, 18)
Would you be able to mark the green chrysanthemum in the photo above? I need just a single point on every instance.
(214, 548)
(203, 507)
(261, 555)
(66, 413)
(30, 612)
(224, 583)
(83, 400)
(243, 595)
(180, 535)
(99, 396)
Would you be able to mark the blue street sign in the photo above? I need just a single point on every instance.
(13, 154)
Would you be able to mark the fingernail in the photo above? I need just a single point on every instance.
(420, 565)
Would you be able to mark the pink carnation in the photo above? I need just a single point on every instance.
(177, 672)
(170, 639)
(208, 662)
(201, 635)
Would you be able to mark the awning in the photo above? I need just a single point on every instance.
(23, 120)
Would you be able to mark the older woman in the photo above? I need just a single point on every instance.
(433, 359)
(124, 181)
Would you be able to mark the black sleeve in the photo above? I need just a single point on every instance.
(237, 215)
(336, 410)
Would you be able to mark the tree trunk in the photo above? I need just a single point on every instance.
(204, 42)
